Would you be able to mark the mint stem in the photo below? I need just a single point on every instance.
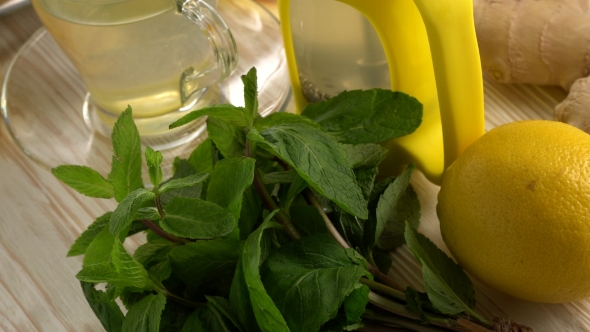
(396, 294)
(269, 202)
(162, 233)
(403, 324)
(309, 196)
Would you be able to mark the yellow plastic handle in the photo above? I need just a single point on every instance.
(432, 54)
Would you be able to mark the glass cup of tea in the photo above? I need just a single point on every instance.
(161, 57)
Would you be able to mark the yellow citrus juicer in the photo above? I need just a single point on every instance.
(431, 53)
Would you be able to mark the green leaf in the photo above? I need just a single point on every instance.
(389, 201)
(308, 219)
(161, 270)
(278, 118)
(355, 303)
(126, 163)
(280, 177)
(255, 309)
(196, 219)
(182, 169)
(407, 209)
(231, 114)
(123, 214)
(250, 213)
(107, 311)
(154, 159)
(351, 228)
(131, 270)
(418, 303)
(319, 160)
(147, 213)
(382, 260)
(84, 180)
(365, 177)
(144, 316)
(228, 181)
(251, 94)
(104, 272)
(448, 287)
(296, 187)
(202, 156)
(370, 116)
(364, 155)
(150, 251)
(222, 305)
(200, 262)
(208, 319)
(180, 183)
(99, 250)
(308, 279)
(229, 139)
(82, 242)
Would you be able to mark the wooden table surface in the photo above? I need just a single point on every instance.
(40, 218)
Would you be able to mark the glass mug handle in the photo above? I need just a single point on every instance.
(221, 39)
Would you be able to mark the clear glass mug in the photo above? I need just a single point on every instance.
(425, 48)
(158, 56)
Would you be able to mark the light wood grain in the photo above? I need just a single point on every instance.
(40, 218)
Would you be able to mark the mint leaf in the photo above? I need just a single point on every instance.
(154, 159)
(228, 181)
(296, 187)
(388, 203)
(124, 213)
(182, 169)
(132, 271)
(180, 183)
(250, 213)
(418, 303)
(126, 163)
(319, 160)
(104, 272)
(202, 156)
(251, 94)
(229, 139)
(351, 228)
(144, 316)
(161, 270)
(208, 319)
(255, 309)
(274, 119)
(84, 180)
(204, 261)
(151, 251)
(370, 116)
(355, 303)
(82, 242)
(364, 155)
(99, 250)
(280, 177)
(308, 219)
(448, 287)
(407, 209)
(107, 311)
(222, 306)
(308, 279)
(234, 115)
(382, 260)
(196, 219)
(147, 213)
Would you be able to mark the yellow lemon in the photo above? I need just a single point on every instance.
(514, 210)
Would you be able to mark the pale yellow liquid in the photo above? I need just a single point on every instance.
(129, 52)
(336, 49)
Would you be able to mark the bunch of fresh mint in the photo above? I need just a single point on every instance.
(272, 224)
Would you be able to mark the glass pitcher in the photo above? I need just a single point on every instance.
(425, 48)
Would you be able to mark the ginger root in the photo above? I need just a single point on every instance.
(544, 42)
